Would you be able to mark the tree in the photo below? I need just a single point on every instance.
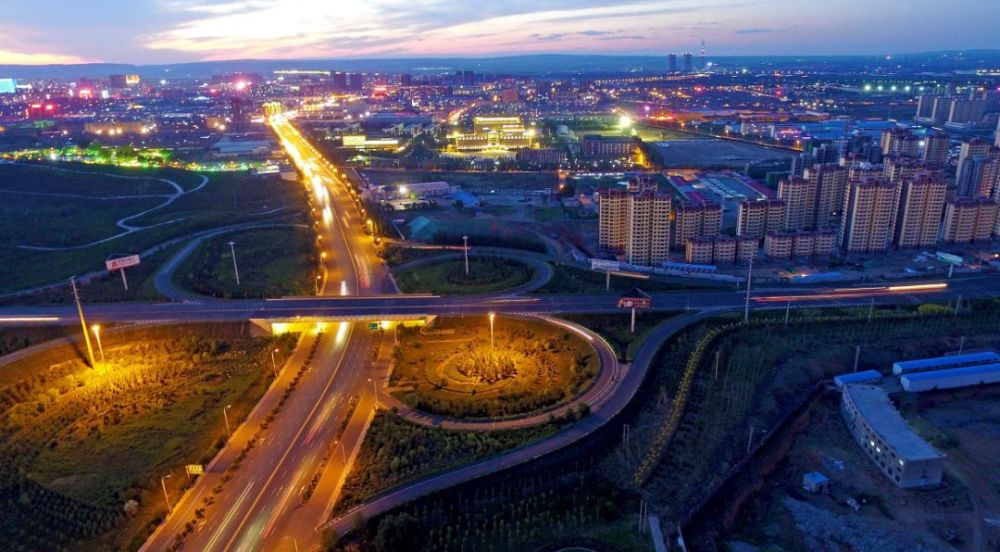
(397, 532)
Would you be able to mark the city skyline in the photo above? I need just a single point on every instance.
(177, 31)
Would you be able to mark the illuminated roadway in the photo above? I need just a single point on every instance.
(263, 505)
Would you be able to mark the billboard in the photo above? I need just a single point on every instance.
(8, 86)
(121, 262)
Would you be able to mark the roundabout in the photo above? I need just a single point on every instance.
(496, 271)
(457, 370)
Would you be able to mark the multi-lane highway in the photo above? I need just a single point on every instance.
(286, 485)
(382, 307)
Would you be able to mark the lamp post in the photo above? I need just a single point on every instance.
(83, 322)
(163, 485)
(374, 390)
(97, 335)
(492, 316)
(225, 415)
(465, 240)
(746, 308)
(274, 366)
(236, 269)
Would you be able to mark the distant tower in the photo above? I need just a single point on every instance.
(672, 63)
(703, 53)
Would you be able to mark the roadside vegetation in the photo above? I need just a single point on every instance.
(448, 277)
(396, 451)
(273, 262)
(395, 255)
(452, 370)
(82, 449)
(617, 328)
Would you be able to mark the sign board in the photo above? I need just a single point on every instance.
(373, 325)
(635, 298)
(601, 264)
(949, 258)
(121, 262)
(195, 469)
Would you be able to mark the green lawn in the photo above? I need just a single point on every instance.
(568, 279)
(398, 255)
(486, 275)
(273, 262)
(617, 328)
(228, 198)
(395, 452)
(80, 442)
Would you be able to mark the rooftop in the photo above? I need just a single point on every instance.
(873, 404)
(945, 361)
(951, 372)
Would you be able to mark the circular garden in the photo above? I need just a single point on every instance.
(453, 368)
(448, 277)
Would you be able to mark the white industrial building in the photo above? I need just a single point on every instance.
(904, 457)
(951, 378)
(865, 376)
(945, 362)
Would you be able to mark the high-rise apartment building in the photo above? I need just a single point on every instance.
(799, 195)
(935, 150)
(636, 225)
(869, 216)
(672, 63)
(829, 182)
(969, 219)
(900, 141)
(757, 218)
(695, 219)
(973, 159)
(918, 217)
(688, 63)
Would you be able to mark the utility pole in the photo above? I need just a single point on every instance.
(718, 353)
(746, 308)
(83, 323)
(465, 240)
(274, 365)
(871, 309)
(607, 284)
(750, 440)
(788, 310)
(958, 304)
(236, 269)
(961, 345)
(225, 416)
(857, 356)
(163, 484)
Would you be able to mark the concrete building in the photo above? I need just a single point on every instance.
(799, 195)
(635, 225)
(865, 376)
(829, 181)
(696, 219)
(936, 148)
(920, 205)
(595, 146)
(757, 218)
(967, 220)
(495, 133)
(898, 168)
(724, 251)
(965, 172)
(699, 250)
(746, 249)
(869, 216)
(888, 440)
(779, 245)
(899, 141)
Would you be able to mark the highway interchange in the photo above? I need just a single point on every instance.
(260, 506)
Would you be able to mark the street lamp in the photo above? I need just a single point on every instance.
(274, 366)
(97, 334)
(318, 278)
(163, 485)
(225, 415)
(236, 269)
(465, 240)
(374, 389)
(492, 316)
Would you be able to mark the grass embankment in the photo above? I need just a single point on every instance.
(567, 280)
(396, 452)
(273, 262)
(228, 198)
(617, 328)
(80, 444)
(696, 424)
(486, 275)
(453, 371)
(395, 256)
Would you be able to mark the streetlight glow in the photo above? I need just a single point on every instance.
(97, 334)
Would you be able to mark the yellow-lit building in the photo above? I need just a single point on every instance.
(495, 133)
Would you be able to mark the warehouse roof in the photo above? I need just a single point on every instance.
(952, 372)
(944, 361)
(857, 377)
(873, 404)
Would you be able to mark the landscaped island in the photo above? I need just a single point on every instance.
(455, 369)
